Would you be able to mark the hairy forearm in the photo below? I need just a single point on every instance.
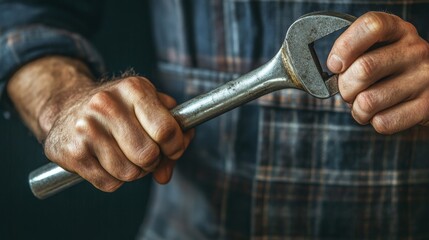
(35, 90)
(108, 133)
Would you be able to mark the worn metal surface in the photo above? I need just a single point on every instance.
(300, 36)
(294, 66)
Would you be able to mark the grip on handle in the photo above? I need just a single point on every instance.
(49, 179)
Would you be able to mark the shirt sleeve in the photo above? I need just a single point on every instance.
(30, 30)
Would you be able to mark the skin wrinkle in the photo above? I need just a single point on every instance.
(66, 95)
(112, 109)
(373, 70)
(161, 131)
(146, 148)
(142, 99)
(383, 77)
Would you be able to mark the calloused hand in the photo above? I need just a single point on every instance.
(383, 67)
(107, 133)
(115, 132)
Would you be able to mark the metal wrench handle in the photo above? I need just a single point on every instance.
(281, 72)
(51, 178)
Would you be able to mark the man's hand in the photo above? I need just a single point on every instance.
(108, 133)
(383, 67)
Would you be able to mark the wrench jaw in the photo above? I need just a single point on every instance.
(300, 56)
(332, 85)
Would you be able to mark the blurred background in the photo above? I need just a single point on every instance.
(80, 212)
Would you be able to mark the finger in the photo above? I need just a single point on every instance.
(156, 119)
(73, 151)
(104, 148)
(166, 100)
(113, 160)
(134, 143)
(371, 28)
(401, 116)
(171, 103)
(371, 67)
(383, 95)
(164, 171)
(93, 172)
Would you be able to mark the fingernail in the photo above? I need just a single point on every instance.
(335, 63)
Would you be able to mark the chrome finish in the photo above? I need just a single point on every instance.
(49, 179)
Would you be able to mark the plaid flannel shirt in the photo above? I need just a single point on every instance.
(285, 166)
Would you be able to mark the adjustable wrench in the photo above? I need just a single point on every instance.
(294, 66)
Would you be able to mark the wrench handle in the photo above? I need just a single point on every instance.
(51, 178)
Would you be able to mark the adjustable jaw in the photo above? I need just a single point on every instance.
(299, 55)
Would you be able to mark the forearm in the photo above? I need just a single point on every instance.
(29, 32)
(34, 89)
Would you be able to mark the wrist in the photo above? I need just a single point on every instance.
(55, 104)
(41, 88)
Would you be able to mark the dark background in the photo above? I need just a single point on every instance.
(80, 212)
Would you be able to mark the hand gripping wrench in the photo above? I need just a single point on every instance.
(294, 66)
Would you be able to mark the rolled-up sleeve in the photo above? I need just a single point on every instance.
(30, 30)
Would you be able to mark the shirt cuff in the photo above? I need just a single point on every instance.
(22, 45)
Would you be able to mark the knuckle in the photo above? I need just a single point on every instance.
(76, 153)
(104, 103)
(120, 167)
(136, 83)
(100, 100)
(129, 174)
(105, 183)
(364, 67)
(108, 185)
(373, 22)
(148, 157)
(87, 132)
(70, 153)
(410, 28)
(165, 131)
(131, 82)
(85, 125)
(366, 101)
(100, 179)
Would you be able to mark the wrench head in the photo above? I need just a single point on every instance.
(299, 54)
